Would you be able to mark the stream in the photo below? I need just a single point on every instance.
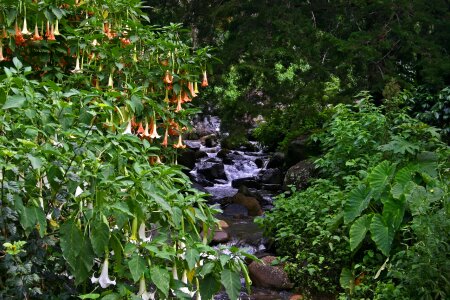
(221, 173)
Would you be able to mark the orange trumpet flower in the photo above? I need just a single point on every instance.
(205, 79)
(36, 36)
(180, 143)
(166, 137)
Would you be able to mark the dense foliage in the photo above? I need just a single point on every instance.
(94, 102)
(380, 215)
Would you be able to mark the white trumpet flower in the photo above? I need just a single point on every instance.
(24, 28)
(104, 280)
(128, 129)
(143, 290)
(141, 233)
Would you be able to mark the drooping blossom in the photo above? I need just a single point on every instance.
(166, 137)
(146, 132)
(154, 133)
(56, 30)
(143, 290)
(185, 97)
(168, 78)
(104, 279)
(179, 108)
(191, 89)
(77, 66)
(4, 33)
(195, 87)
(110, 81)
(18, 38)
(1, 53)
(140, 130)
(36, 36)
(24, 28)
(51, 35)
(141, 233)
(95, 43)
(128, 129)
(166, 98)
(180, 143)
(78, 191)
(205, 79)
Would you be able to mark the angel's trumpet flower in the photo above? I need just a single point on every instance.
(95, 43)
(104, 280)
(179, 108)
(180, 143)
(154, 133)
(141, 233)
(51, 36)
(166, 137)
(110, 81)
(143, 290)
(192, 89)
(56, 31)
(140, 130)
(166, 98)
(1, 53)
(36, 36)
(4, 33)
(146, 132)
(205, 79)
(77, 66)
(168, 78)
(24, 28)
(128, 129)
(19, 39)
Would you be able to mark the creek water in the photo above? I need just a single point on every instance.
(242, 230)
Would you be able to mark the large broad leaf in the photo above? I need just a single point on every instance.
(14, 101)
(382, 234)
(161, 278)
(70, 241)
(209, 286)
(231, 281)
(33, 217)
(36, 162)
(85, 259)
(358, 231)
(346, 279)
(137, 267)
(99, 237)
(357, 201)
(380, 177)
(393, 211)
(191, 257)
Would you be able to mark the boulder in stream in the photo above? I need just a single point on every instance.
(249, 182)
(276, 161)
(264, 274)
(271, 176)
(251, 203)
(187, 158)
(212, 170)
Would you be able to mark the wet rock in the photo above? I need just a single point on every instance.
(251, 203)
(264, 197)
(249, 147)
(187, 158)
(220, 237)
(300, 149)
(200, 154)
(235, 210)
(259, 162)
(223, 153)
(265, 275)
(299, 175)
(212, 170)
(271, 176)
(223, 224)
(201, 180)
(209, 141)
(194, 145)
(249, 182)
(276, 161)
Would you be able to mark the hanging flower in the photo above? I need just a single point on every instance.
(191, 89)
(1, 53)
(205, 79)
(180, 143)
(24, 28)
(166, 137)
(185, 97)
(104, 280)
(179, 108)
(19, 39)
(56, 31)
(128, 129)
(140, 130)
(36, 36)
(166, 98)
(154, 134)
(77, 66)
(78, 191)
(146, 132)
(141, 232)
(168, 78)
(110, 81)
(4, 33)
(95, 43)
(51, 35)
(195, 87)
(143, 290)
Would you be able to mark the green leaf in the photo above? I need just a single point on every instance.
(39, 217)
(137, 267)
(358, 231)
(394, 210)
(382, 234)
(99, 237)
(14, 101)
(161, 278)
(209, 286)
(192, 256)
(36, 162)
(358, 200)
(70, 242)
(122, 207)
(346, 279)
(380, 177)
(232, 283)
(17, 63)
